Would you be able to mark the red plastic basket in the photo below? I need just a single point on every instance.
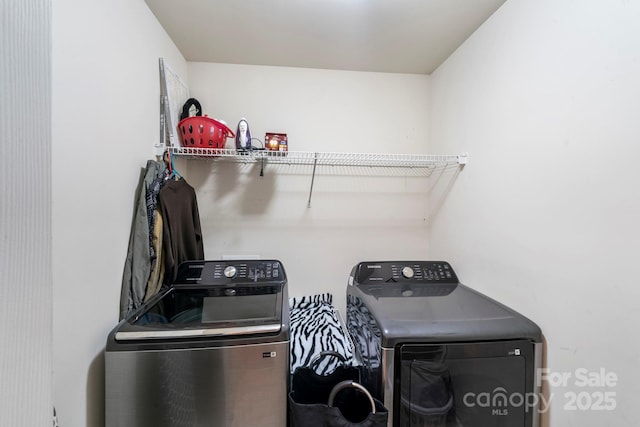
(203, 132)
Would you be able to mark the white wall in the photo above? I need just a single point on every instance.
(105, 122)
(25, 213)
(545, 97)
(355, 214)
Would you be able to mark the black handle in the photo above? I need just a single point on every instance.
(187, 106)
(318, 357)
(350, 384)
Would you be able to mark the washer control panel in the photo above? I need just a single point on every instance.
(230, 272)
(404, 271)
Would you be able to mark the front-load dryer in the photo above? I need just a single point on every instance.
(439, 354)
(210, 351)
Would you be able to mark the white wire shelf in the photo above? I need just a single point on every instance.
(322, 158)
(375, 160)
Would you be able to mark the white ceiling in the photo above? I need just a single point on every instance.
(398, 36)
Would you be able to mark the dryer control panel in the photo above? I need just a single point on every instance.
(230, 272)
(404, 272)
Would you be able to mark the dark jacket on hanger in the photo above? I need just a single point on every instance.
(182, 236)
(138, 263)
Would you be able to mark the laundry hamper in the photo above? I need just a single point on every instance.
(332, 400)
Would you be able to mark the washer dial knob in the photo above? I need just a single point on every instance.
(408, 272)
(230, 272)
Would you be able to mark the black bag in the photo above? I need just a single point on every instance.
(311, 387)
(332, 400)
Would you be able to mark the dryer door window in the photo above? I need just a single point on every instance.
(487, 384)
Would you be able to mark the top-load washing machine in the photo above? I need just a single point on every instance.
(439, 354)
(210, 351)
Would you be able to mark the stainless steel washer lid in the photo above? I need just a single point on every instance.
(213, 303)
(208, 311)
(196, 333)
(428, 304)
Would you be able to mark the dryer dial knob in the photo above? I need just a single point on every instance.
(230, 272)
(408, 272)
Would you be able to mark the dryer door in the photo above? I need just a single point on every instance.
(466, 384)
